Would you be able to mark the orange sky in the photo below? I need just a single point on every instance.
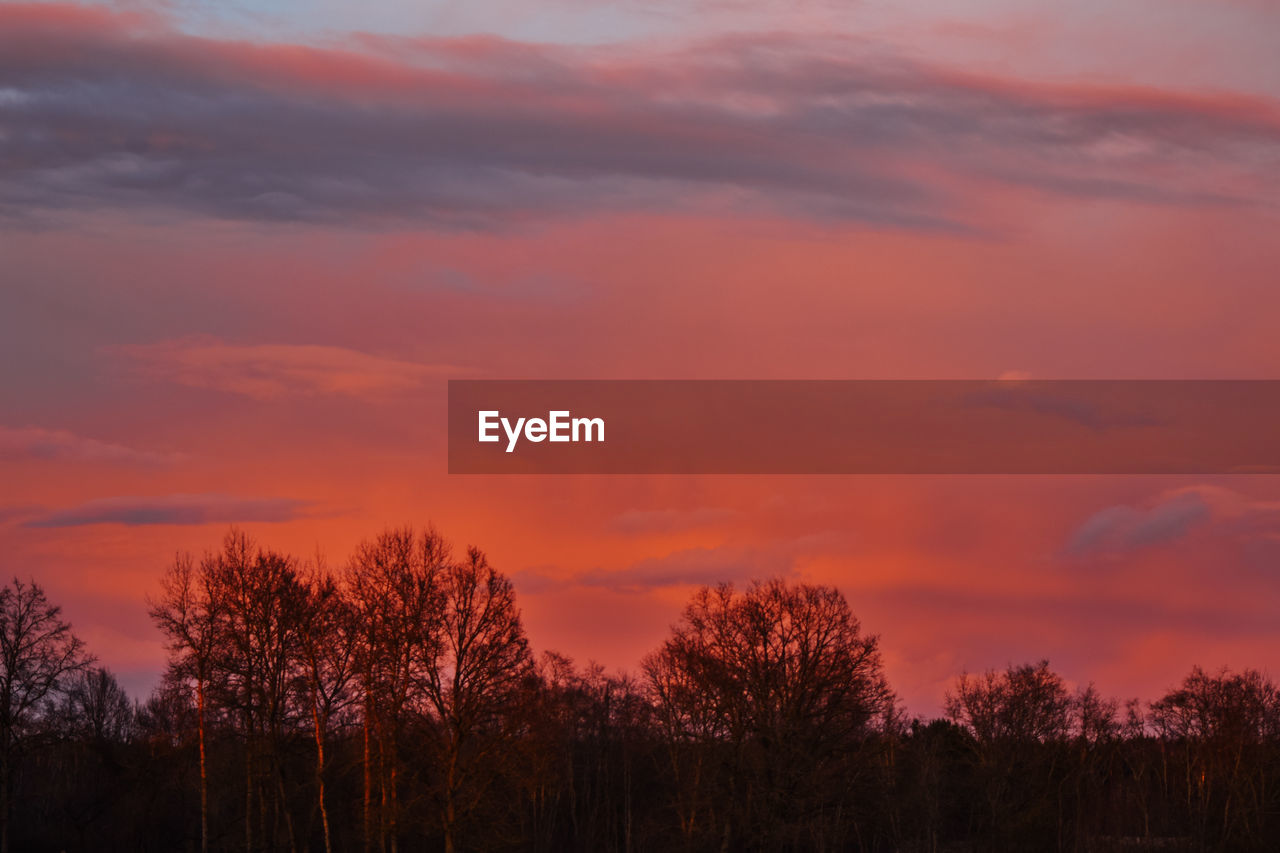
(237, 275)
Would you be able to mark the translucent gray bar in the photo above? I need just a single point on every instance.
(865, 427)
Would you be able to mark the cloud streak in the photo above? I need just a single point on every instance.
(267, 371)
(1172, 516)
(57, 444)
(1089, 409)
(174, 509)
(1119, 529)
(109, 110)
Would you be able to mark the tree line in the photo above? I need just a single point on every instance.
(394, 703)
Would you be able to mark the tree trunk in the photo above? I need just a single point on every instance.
(204, 769)
(248, 792)
(284, 806)
(393, 817)
(368, 787)
(4, 791)
(324, 812)
(449, 811)
(384, 802)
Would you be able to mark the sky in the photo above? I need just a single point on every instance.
(244, 246)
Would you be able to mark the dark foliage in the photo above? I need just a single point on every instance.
(395, 704)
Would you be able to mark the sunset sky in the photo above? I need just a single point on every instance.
(243, 247)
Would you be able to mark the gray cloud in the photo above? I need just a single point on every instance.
(102, 110)
(266, 371)
(174, 509)
(57, 444)
(1089, 408)
(17, 512)
(1251, 524)
(1119, 529)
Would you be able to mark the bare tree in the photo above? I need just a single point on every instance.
(483, 660)
(394, 586)
(782, 678)
(1220, 724)
(98, 707)
(328, 654)
(187, 613)
(1019, 720)
(261, 605)
(233, 627)
(1021, 704)
(38, 654)
(593, 730)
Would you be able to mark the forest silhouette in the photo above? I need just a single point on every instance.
(394, 704)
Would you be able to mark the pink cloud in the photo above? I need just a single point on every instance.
(174, 509)
(59, 444)
(266, 371)
(1171, 516)
(480, 133)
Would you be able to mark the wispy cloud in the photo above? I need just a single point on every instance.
(1086, 407)
(18, 512)
(174, 509)
(1126, 528)
(1168, 518)
(265, 371)
(57, 444)
(124, 111)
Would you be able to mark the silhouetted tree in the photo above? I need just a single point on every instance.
(593, 774)
(1022, 704)
(328, 650)
(783, 683)
(261, 606)
(187, 612)
(395, 586)
(97, 708)
(38, 655)
(399, 705)
(88, 769)
(1225, 726)
(482, 664)
(1019, 719)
